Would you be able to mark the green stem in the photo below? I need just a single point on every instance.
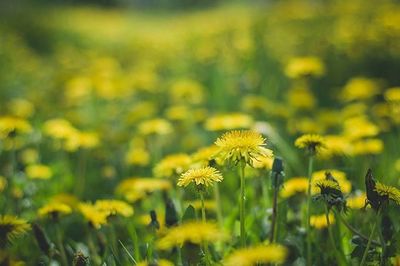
(64, 260)
(382, 240)
(364, 257)
(274, 208)
(241, 206)
(218, 203)
(308, 228)
(179, 256)
(339, 255)
(204, 220)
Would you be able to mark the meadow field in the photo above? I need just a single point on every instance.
(235, 133)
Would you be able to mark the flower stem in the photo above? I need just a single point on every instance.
(218, 203)
(339, 256)
(274, 208)
(203, 219)
(241, 205)
(308, 228)
(63, 256)
(364, 257)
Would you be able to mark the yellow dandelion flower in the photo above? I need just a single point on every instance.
(327, 184)
(301, 98)
(84, 140)
(228, 122)
(263, 162)
(93, 215)
(388, 192)
(114, 207)
(190, 232)
(294, 186)
(237, 145)
(38, 171)
(204, 177)
(58, 128)
(359, 88)
(137, 156)
(160, 262)
(11, 227)
(320, 221)
(356, 201)
(367, 146)
(54, 209)
(344, 184)
(392, 94)
(187, 91)
(336, 145)
(10, 124)
(178, 113)
(305, 66)
(313, 143)
(263, 254)
(359, 127)
(136, 188)
(204, 155)
(67, 199)
(21, 108)
(29, 156)
(155, 127)
(172, 164)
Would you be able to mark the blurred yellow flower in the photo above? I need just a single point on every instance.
(137, 156)
(136, 188)
(320, 221)
(359, 127)
(228, 122)
(114, 207)
(367, 146)
(359, 88)
(65, 198)
(21, 108)
(293, 186)
(301, 98)
(58, 128)
(304, 66)
(93, 215)
(344, 184)
(29, 156)
(190, 232)
(187, 91)
(157, 126)
(38, 171)
(392, 94)
(14, 125)
(84, 140)
(313, 143)
(54, 210)
(242, 145)
(263, 162)
(336, 145)
(208, 204)
(200, 177)
(172, 164)
(356, 201)
(204, 155)
(11, 227)
(262, 254)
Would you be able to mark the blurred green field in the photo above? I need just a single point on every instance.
(108, 112)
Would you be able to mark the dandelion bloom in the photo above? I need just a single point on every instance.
(320, 221)
(294, 186)
(392, 94)
(237, 145)
(203, 176)
(359, 88)
(38, 171)
(172, 164)
(356, 201)
(340, 177)
(136, 188)
(311, 142)
(9, 124)
(228, 122)
(157, 126)
(93, 215)
(191, 232)
(11, 227)
(305, 66)
(114, 207)
(54, 209)
(204, 155)
(388, 192)
(272, 253)
(137, 156)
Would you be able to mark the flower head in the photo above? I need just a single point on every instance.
(114, 207)
(155, 127)
(237, 145)
(172, 164)
(294, 186)
(388, 192)
(93, 215)
(191, 232)
(311, 142)
(136, 188)
(54, 209)
(11, 227)
(305, 66)
(320, 221)
(228, 122)
(38, 171)
(272, 253)
(201, 177)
